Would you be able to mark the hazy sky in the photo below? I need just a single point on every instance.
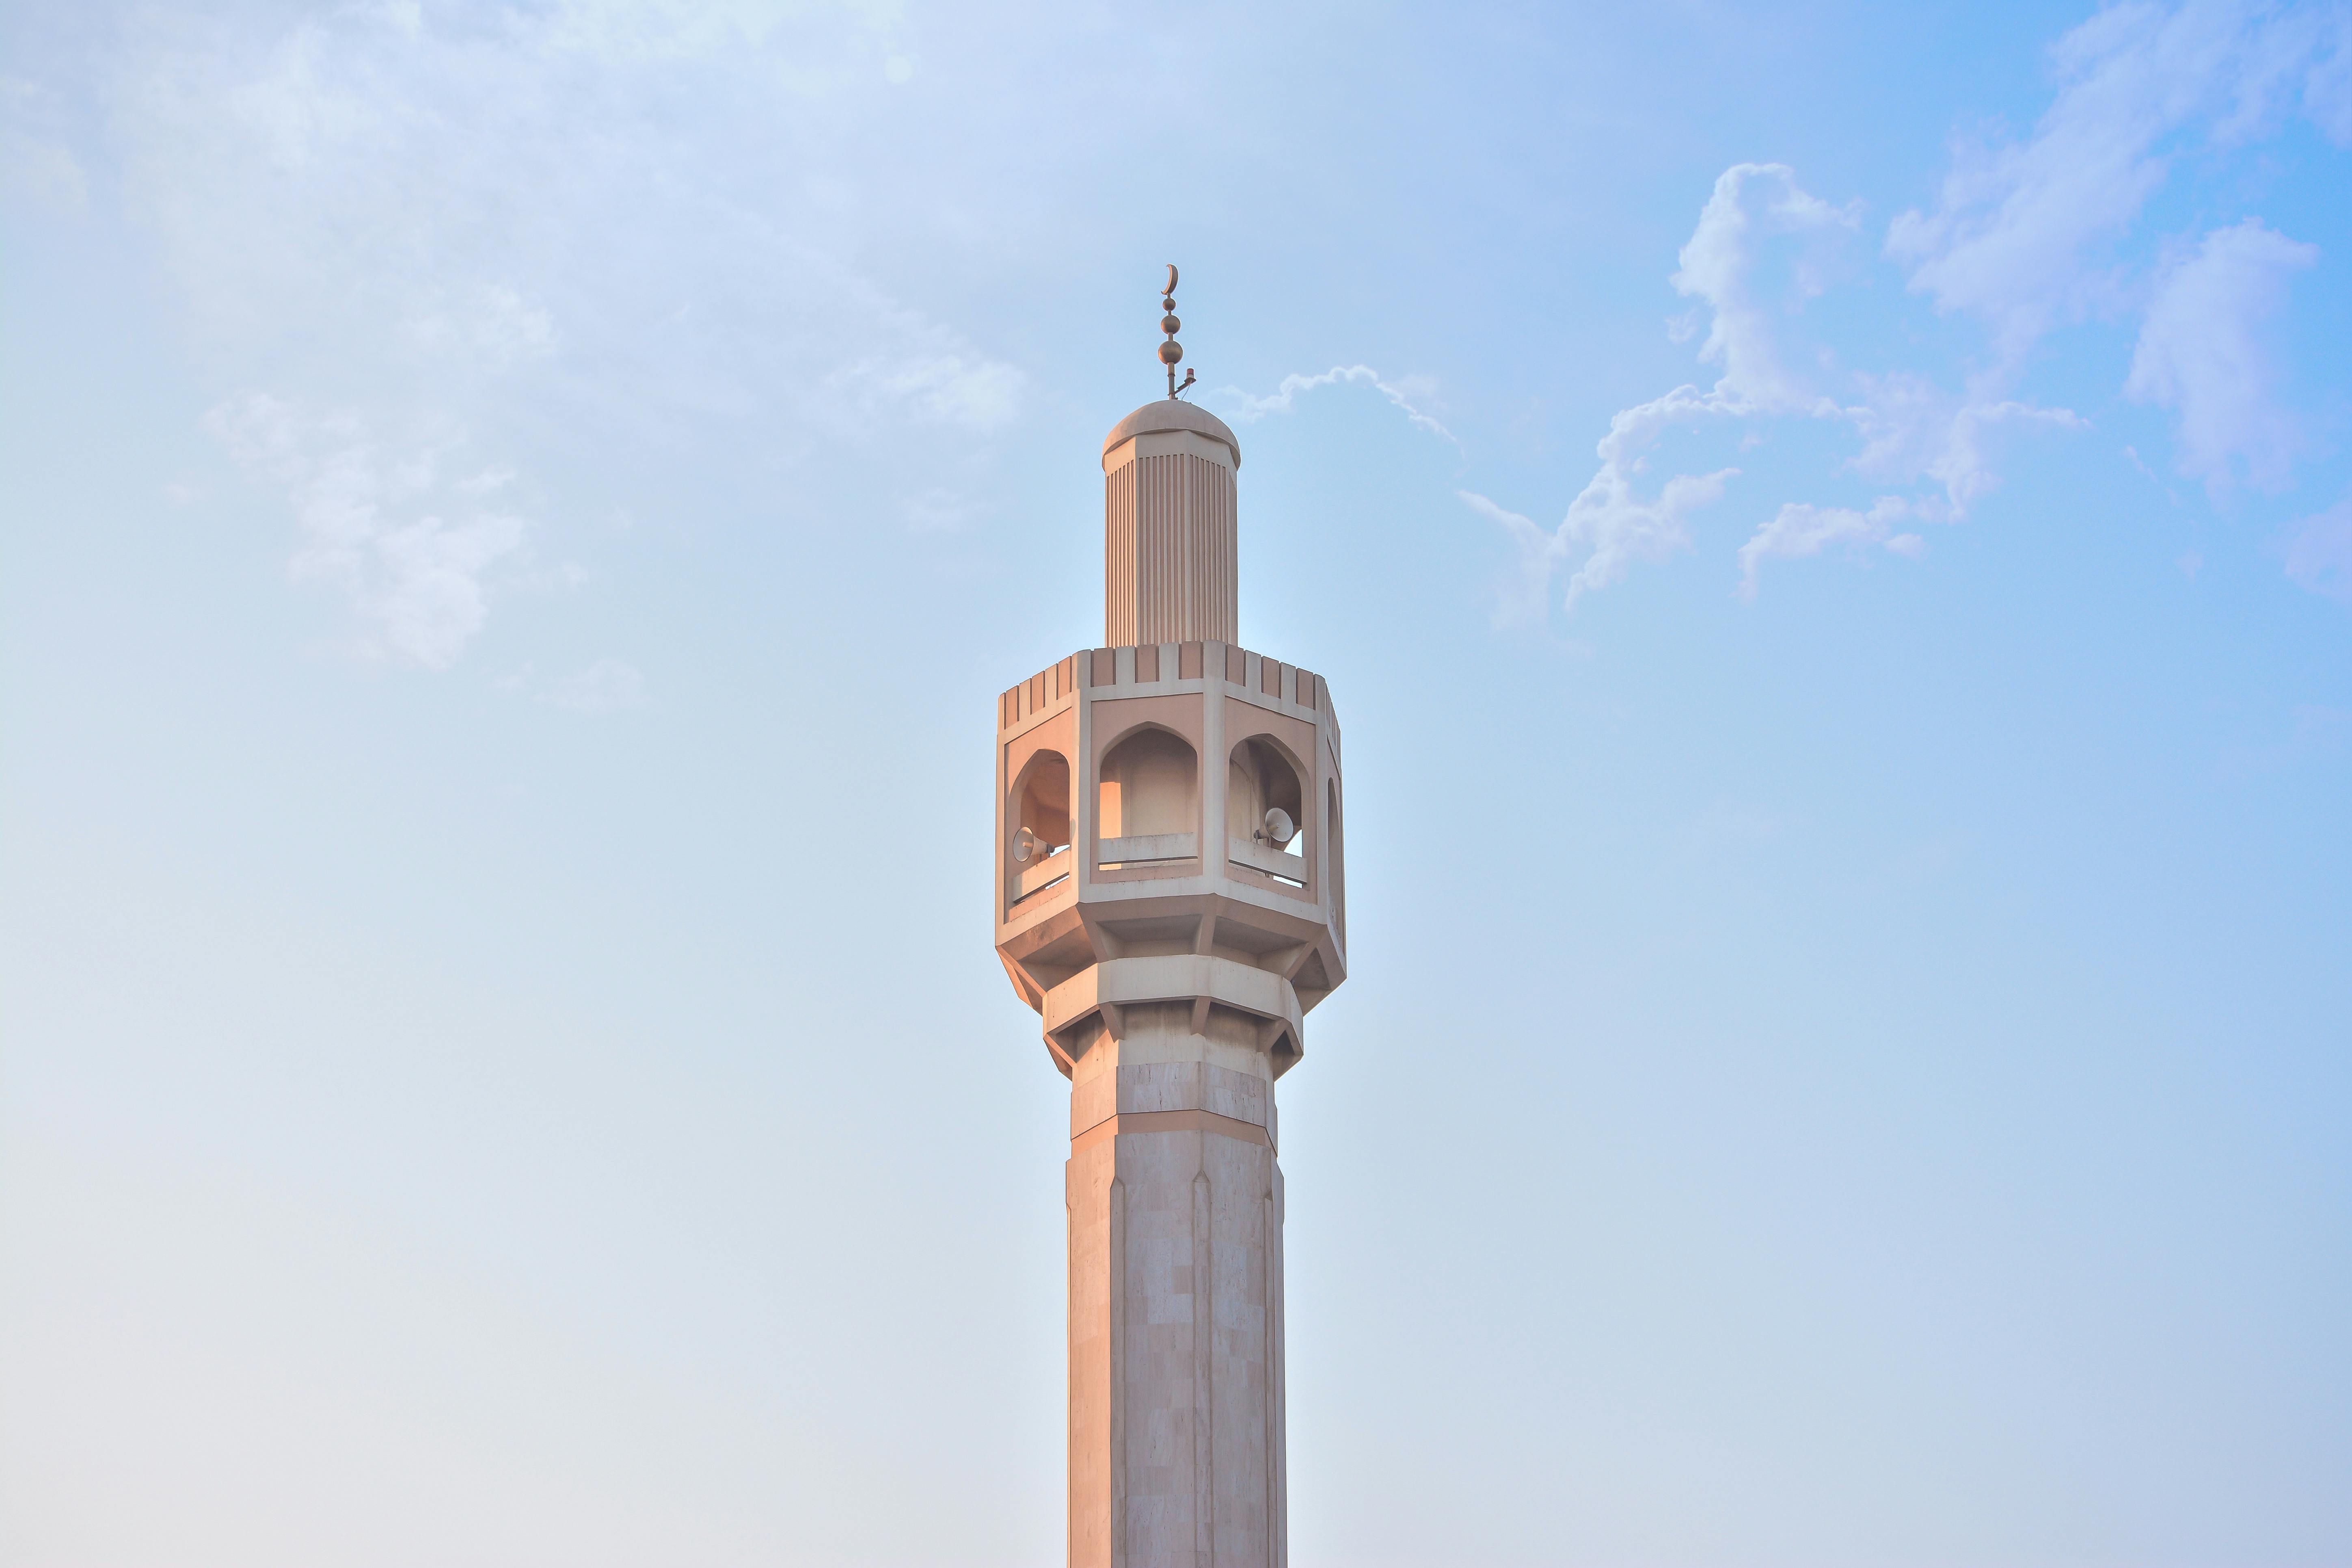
(1830, 531)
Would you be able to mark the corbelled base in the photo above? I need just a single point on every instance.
(1175, 1290)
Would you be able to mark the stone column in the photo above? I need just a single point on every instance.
(1175, 1298)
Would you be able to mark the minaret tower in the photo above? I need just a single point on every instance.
(1168, 899)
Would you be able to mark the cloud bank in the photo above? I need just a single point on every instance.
(2022, 237)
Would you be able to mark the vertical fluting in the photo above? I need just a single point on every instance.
(1114, 1392)
(1170, 551)
(1204, 1423)
(1270, 1299)
(1277, 1447)
(1120, 557)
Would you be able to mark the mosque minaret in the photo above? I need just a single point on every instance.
(1169, 899)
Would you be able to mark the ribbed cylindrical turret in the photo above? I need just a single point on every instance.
(1170, 548)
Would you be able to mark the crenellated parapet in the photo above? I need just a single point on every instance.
(1171, 831)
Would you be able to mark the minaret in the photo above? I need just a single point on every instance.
(1168, 899)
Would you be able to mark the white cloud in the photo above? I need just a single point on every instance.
(955, 388)
(1800, 529)
(410, 553)
(2205, 351)
(1913, 429)
(2012, 236)
(394, 211)
(2319, 552)
(1524, 592)
(2023, 236)
(1285, 398)
(1612, 524)
(1760, 227)
(1752, 203)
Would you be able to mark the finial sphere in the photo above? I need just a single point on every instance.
(1170, 352)
(1170, 325)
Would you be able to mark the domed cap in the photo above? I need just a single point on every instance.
(1172, 413)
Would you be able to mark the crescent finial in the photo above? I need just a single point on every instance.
(1171, 279)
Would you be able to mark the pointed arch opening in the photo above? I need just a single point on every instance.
(1037, 847)
(1147, 801)
(1266, 811)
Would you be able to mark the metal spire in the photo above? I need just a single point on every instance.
(1171, 351)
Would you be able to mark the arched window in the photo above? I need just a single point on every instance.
(1040, 826)
(1147, 800)
(1044, 807)
(1266, 817)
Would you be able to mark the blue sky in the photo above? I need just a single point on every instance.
(1830, 530)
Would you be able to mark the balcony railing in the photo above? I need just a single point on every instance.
(1147, 849)
(1158, 849)
(1040, 875)
(1275, 863)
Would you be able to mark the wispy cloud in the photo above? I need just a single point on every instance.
(389, 218)
(950, 387)
(2319, 552)
(1800, 529)
(2015, 233)
(1610, 524)
(2205, 350)
(1248, 405)
(1753, 205)
(1524, 592)
(411, 551)
(1911, 430)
